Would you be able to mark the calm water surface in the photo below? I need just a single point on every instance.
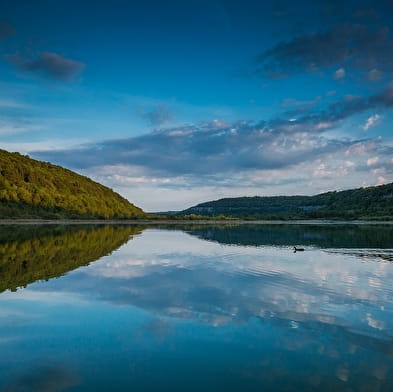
(126, 308)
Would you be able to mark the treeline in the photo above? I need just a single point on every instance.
(34, 189)
(362, 203)
(31, 253)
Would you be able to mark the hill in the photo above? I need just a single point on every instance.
(361, 203)
(34, 189)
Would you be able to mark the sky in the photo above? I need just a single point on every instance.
(175, 103)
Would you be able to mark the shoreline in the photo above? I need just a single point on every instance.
(152, 222)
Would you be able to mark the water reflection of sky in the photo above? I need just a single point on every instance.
(166, 299)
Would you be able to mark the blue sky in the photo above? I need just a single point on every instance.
(174, 103)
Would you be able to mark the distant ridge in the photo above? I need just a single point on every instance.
(35, 189)
(361, 203)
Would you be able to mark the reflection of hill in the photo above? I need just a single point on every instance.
(323, 236)
(29, 253)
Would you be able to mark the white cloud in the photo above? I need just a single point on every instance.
(372, 161)
(334, 169)
(361, 148)
(372, 121)
(339, 74)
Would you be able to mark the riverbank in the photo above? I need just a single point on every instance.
(154, 222)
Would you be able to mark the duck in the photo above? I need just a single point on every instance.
(298, 249)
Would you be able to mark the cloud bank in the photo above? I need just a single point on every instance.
(224, 147)
(206, 149)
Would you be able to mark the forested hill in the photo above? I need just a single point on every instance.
(34, 189)
(362, 203)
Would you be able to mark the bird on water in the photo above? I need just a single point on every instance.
(295, 249)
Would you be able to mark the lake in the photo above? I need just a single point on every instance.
(190, 308)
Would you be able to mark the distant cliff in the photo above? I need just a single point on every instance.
(362, 203)
(34, 189)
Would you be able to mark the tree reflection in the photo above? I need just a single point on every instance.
(322, 236)
(31, 253)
